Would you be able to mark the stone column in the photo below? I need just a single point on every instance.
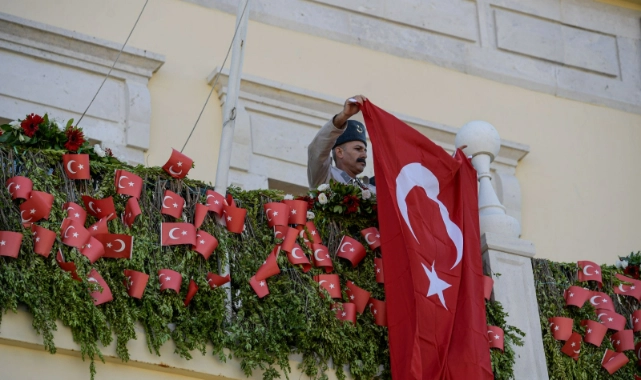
(505, 253)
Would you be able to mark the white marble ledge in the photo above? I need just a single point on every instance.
(516, 246)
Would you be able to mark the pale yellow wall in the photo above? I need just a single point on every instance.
(579, 183)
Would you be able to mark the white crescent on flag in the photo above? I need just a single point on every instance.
(120, 186)
(294, 253)
(316, 255)
(585, 270)
(69, 167)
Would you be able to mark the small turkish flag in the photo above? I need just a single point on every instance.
(378, 267)
(235, 218)
(19, 187)
(601, 300)
(576, 296)
(37, 207)
(200, 212)
(127, 183)
(348, 312)
(297, 257)
(172, 204)
(277, 213)
(98, 228)
(611, 319)
(100, 208)
(331, 283)
(93, 250)
(572, 346)
(117, 246)
(322, 258)
(358, 296)
(136, 282)
(488, 284)
(594, 332)
(632, 290)
(259, 286)
(215, 202)
(496, 337)
(372, 237)
(613, 361)
(312, 233)
(74, 211)
(177, 233)
(280, 232)
(269, 267)
(191, 292)
(297, 211)
(289, 238)
(623, 340)
(589, 271)
(67, 267)
(43, 240)
(215, 280)
(76, 166)
(178, 165)
(205, 244)
(10, 243)
(351, 249)
(170, 279)
(635, 319)
(378, 308)
(132, 210)
(103, 294)
(73, 233)
(561, 327)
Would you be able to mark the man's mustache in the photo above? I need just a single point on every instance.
(362, 160)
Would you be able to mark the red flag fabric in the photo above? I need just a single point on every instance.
(37, 207)
(331, 283)
(19, 187)
(100, 208)
(496, 336)
(632, 290)
(215, 280)
(43, 240)
(93, 250)
(277, 213)
(297, 257)
(200, 212)
(10, 243)
(576, 296)
(172, 204)
(372, 237)
(352, 250)
(75, 211)
(378, 267)
(117, 246)
(589, 271)
(67, 266)
(205, 244)
(377, 307)
(98, 228)
(594, 332)
(103, 294)
(428, 215)
(191, 291)
(170, 279)
(322, 259)
(132, 210)
(297, 211)
(561, 327)
(636, 320)
(127, 183)
(488, 285)
(73, 233)
(572, 346)
(289, 238)
(611, 319)
(76, 166)
(260, 287)
(613, 361)
(136, 282)
(215, 202)
(178, 165)
(358, 296)
(310, 232)
(280, 232)
(601, 300)
(269, 267)
(235, 218)
(623, 340)
(177, 233)
(346, 312)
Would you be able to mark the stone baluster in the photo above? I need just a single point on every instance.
(505, 253)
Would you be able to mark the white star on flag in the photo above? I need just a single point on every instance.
(3, 242)
(589, 331)
(180, 163)
(216, 201)
(351, 249)
(262, 283)
(571, 294)
(76, 215)
(293, 212)
(375, 311)
(109, 245)
(378, 270)
(75, 234)
(131, 184)
(98, 210)
(95, 228)
(610, 319)
(229, 218)
(496, 337)
(636, 320)
(344, 314)
(275, 213)
(33, 211)
(437, 286)
(175, 205)
(313, 233)
(167, 278)
(202, 242)
(605, 301)
(573, 344)
(378, 236)
(88, 245)
(81, 167)
(37, 239)
(351, 297)
(556, 328)
(184, 233)
(331, 286)
(17, 187)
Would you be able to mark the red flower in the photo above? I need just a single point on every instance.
(75, 139)
(108, 152)
(632, 270)
(351, 201)
(30, 124)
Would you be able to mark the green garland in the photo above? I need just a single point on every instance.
(261, 333)
(551, 279)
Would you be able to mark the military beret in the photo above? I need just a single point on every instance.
(355, 131)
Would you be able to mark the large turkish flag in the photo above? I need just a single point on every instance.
(429, 224)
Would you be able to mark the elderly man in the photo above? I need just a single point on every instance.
(346, 141)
